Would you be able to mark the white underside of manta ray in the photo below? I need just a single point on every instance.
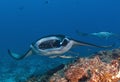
(53, 46)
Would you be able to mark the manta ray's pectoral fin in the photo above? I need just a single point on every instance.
(19, 57)
(80, 43)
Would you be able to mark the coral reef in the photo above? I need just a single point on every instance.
(89, 70)
(103, 66)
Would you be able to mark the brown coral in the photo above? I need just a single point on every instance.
(75, 73)
(91, 70)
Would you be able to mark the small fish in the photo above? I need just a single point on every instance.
(105, 35)
(53, 46)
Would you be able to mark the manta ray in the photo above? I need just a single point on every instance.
(53, 46)
(103, 34)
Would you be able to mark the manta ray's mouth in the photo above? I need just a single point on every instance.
(49, 44)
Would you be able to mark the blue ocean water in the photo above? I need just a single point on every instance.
(24, 21)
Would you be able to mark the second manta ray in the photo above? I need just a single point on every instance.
(104, 35)
(54, 45)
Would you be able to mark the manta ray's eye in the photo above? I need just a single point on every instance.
(49, 44)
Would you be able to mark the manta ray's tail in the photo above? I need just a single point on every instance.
(19, 57)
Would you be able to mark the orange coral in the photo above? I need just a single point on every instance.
(75, 73)
(91, 70)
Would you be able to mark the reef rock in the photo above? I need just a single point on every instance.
(103, 66)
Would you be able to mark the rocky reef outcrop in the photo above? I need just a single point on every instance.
(103, 66)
